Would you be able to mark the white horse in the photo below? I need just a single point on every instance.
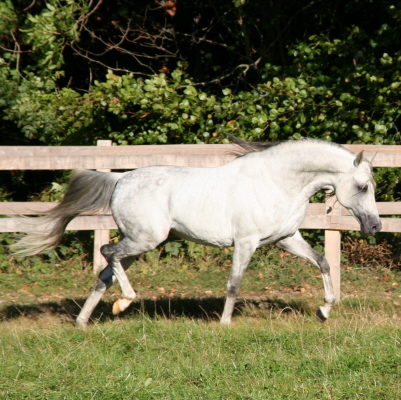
(259, 198)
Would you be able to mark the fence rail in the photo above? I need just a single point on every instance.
(106, 157)
(316, 217)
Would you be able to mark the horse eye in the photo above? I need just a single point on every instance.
(363, 189)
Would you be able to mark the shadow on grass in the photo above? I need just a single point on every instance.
(208, 308)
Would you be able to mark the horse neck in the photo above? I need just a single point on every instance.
(309, 166)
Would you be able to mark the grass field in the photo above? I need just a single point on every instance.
(169, 344)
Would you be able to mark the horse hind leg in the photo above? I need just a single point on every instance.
(104, 282)
(116, 252)
(299, 247)
(106, 279)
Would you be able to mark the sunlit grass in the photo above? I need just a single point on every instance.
(354, 355)
(169, 345)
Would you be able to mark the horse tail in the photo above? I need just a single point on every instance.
(88, 192)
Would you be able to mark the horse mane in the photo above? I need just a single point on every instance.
(245, 147)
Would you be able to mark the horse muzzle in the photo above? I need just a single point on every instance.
(370, 224)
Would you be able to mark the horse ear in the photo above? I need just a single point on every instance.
(358, 159)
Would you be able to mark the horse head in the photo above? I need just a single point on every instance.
(356, 192)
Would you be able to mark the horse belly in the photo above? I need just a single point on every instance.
(200, 225)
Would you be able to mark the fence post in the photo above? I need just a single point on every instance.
(102, 236)
(332, 247)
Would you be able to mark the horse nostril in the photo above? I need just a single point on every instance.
(374, 228)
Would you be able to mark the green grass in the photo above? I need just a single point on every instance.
(277, 357)
(169, 344)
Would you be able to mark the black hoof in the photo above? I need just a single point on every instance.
(320, 316)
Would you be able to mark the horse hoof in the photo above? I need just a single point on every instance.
(120, 305)
(320, 316)
(116, 307)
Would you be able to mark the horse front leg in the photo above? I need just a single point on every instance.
(242, 255)
(299, 247)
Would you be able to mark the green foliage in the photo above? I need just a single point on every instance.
(173, 248)
(341, 87)
(8, 16)
(48, 32)
(75, 247)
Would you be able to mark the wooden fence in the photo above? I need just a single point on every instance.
(106, 157)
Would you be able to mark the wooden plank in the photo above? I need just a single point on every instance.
(389, 208)
(90, 223)
(316, 222)
(391, 224)
(82, 223)
(115, 151)
(332, 246)
(35, 208)
(346, 223)
(310, 222)
(101, 237)
(93, 222)
(384, 208)
(104, 144)
(160, 149)
(315, 218)
(314, 209)
(389, 160)
(25, 208)
(130, 157)
(111, 162)
(384, 155)
(333, 222)
(106, 222)
(332, 251)
(373, 148)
